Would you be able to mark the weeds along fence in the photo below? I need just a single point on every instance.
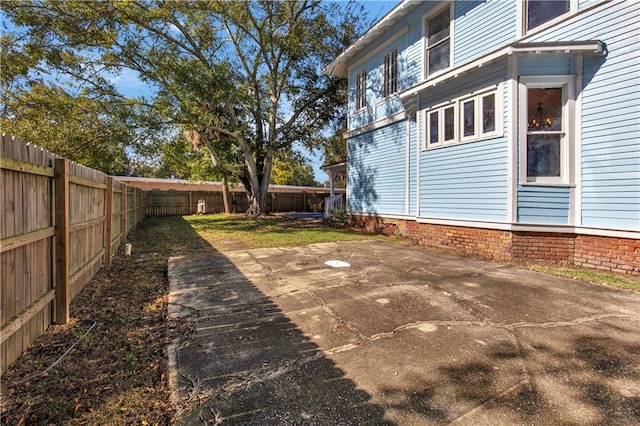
(60, 223)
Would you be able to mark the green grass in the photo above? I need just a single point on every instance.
(234, 232)
(595, 277)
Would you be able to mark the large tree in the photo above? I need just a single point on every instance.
(245, 77)
(89, 124)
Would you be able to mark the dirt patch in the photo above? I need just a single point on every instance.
(117, 373)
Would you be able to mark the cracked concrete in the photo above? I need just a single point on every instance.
(403, 336)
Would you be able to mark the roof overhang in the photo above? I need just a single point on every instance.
(335, 167)
(339, 67)
(587, 48)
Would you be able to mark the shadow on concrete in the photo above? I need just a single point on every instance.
(582, 371)
(246, 362)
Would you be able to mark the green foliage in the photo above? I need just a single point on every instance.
(292, 170)
(84, 129)
(242, 78)
(592, 276)
(178, 159)
(339, 218)
(335, 148)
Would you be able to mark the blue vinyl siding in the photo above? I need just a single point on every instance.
(468, 181)
(415, 45)
(610, 115)
(376, 171)
(360, 119)
(472, 18)
(490, 75)
(544, 65)
(379, 107)
(465, 181)
(543, 204)
(586, 3)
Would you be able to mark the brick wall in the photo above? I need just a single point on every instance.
(543, 247)
(477, 242)
(621, 255)
(608, 253)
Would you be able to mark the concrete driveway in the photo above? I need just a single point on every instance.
(400, 336)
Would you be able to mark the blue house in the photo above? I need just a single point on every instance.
(500, 129)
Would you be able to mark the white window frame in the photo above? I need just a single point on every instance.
(522, 12)
(458, 106)
(475, 134)
(360, 90)
(568, 131)
(427, 118)
(440, 109)
(390, 73)
(478, 130)
(425, 41)
(497, 114)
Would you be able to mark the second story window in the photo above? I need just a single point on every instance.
(390, 83)
(539, 12)
(361, 90)
(438, 42)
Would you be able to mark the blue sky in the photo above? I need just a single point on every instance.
(128, 83)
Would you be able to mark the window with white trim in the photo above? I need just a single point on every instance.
(546, 122)
(361, 90)
(488, 113)
(478, 116)
(538, 12)
(468, 111)
(441, 125)
(463, 120)
(390, 82)
(438, 42)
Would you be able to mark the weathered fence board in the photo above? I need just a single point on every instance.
(54, 232)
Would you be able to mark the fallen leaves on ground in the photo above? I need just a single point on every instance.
(117, 373)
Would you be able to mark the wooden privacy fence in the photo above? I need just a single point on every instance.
(177, 203)
(60, 223)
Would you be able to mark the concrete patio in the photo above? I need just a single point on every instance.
(400, 336)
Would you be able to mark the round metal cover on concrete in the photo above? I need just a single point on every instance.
(337, 264)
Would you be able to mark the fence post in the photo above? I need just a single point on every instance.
(108, 222)
(123, 216)
(62, 278)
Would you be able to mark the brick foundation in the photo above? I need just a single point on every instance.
(620, 255)
(608, 253)
(543, 247)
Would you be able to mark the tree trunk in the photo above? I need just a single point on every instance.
(225, 194)
(257, 202)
